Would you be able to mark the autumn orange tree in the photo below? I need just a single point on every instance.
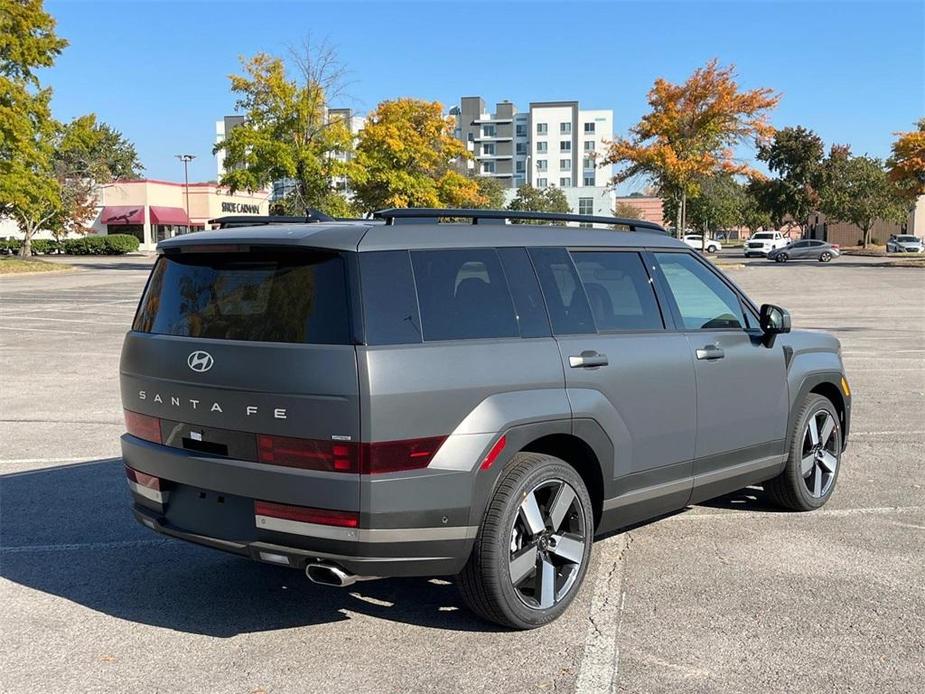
(906, 165)
(406, 156)
(690, 132)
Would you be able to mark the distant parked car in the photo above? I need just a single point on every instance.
(695, 241)
(808, 249)
(763, 242)
(903, 243)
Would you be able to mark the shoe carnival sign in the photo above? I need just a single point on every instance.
(240, 208)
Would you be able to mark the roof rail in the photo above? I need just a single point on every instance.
(311, 216)
(412, 215)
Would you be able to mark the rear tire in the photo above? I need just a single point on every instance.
(814, 458)
(523, 579)
(825, 257)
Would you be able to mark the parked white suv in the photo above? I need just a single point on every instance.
(763, 242)
(695, 241)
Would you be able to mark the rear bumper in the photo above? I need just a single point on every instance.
(210, 501)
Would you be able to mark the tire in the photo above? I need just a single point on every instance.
(825, 257)
(797, 488)
(782, 257)
(486, 583)
(711, 249)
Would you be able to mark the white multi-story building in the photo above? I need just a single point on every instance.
(554, 144)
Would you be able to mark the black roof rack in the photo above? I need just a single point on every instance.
(418, 215)
(311, 216)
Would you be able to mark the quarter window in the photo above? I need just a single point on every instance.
(389, 304)
(463, 295)
(525, 290)
(619, 290)
(703, 300)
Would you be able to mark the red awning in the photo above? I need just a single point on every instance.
(123, 214)
(169, 215)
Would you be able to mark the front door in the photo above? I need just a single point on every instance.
(742, 392)
(624, 370)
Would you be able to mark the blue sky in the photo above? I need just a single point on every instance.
(158, 71)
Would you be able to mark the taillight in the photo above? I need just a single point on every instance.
(304, 514)
(347, 456)
(308, 454)
(836, 246)
(143, 426)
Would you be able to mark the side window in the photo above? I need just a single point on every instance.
(463, 295)
(525, 290)
(618, 290)
(389, 305)
(703, 300)
(568, 307)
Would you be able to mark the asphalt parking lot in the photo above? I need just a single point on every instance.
(728, 596)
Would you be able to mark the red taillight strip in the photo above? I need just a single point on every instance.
(304, 514)
(143, 426)
(340, 456)
(145, 485)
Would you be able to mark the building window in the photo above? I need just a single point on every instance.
(587, 163)
(565, 165)
(521, 148)
(488, 131)
(589, 128)
(521, 130)
(541, 165)
(565, 182)
(585, 205)
(565, 146)
(488, 148)
(589, 181)
(541, 183)
(519, 167)
(488, 167)
(565, 128)
(541, 129)
(470, 137)
(589, 145)
(542, 147)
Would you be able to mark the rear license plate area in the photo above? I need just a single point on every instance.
(211, 513)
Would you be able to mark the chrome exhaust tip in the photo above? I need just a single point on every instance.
(329, 575)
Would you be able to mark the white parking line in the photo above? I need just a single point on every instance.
(43, 330)
(119, 544)
(600, 660)
(62, 320)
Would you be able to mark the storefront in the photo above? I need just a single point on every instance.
(156, 210)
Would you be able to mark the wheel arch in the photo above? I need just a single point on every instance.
(827, 384)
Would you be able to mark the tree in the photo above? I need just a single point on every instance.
(28, 189)
(492, 190)
(530, 199)
(795, 155)
(907, 163)
(690, 131)
(406, 156)
(288, 131)
(627, 210)
(719, 204)
(86, 154)
(858, 190)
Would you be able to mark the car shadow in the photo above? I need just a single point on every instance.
(68, 531)
(747, 499)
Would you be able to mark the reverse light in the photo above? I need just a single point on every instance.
(143, 426)
(304, 514)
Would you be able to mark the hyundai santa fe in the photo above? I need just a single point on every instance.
(414, 397)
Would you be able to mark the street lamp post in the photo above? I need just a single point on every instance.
(186, 159)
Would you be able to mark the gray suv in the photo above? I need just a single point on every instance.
(404, 397)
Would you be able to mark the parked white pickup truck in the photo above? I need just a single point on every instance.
(763, 242)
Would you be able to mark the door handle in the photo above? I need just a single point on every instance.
(587, 360)
(710, 352)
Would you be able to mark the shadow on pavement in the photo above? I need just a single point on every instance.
(747, 499)
(68, 531)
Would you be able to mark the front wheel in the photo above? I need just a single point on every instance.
(781, 257)
(812, 466)
(825, 257)
(534, 545)
(711, 249)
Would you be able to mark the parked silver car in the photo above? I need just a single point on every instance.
(904, 243)
(807, 249)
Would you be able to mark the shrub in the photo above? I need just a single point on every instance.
(9, 246)
(119, 244)
(114, 244)
(45, 246)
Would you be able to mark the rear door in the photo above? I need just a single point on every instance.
(742, 393)
(237, 352)
(624, 369)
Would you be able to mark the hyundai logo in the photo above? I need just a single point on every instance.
(200, 361)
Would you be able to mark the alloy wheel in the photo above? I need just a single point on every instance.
(548, 541)
(825, 257)
(819, 455)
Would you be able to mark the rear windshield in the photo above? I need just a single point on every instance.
(290, 296)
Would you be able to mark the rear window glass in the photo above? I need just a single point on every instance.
(568, 306)
(389, 303)
(618, 290)
(289, 296)
(463, 295)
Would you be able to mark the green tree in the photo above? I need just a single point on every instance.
(28, 189)
(288, 131)
(795, 155)
(627, 210)
(858, 190)
(530, 199)
(719, 204)
(690, 132)
(406, 156)
(492, 190)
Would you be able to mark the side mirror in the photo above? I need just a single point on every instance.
(774, 320)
